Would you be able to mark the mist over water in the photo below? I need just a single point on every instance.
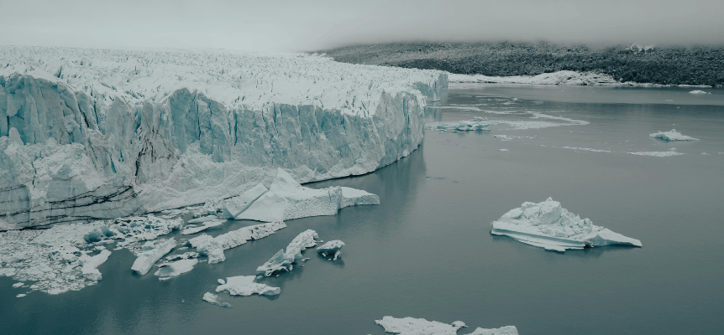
(322, 24)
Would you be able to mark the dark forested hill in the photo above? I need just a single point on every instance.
(703, 65)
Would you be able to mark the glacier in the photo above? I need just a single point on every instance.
(547, 225)
(415, 326)
(92, 134)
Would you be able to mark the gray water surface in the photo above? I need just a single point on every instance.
(426, 250)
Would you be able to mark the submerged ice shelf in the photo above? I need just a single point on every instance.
(89, 134)
(547, 225)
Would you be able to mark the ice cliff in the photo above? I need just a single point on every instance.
(94, 134)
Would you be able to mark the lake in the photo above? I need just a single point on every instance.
(426, 250)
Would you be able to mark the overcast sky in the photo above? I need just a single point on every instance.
(312, 25)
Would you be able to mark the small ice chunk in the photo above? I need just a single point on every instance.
(504, 150)
(245, 286)
(237, 205)
(221, 281)
(213, 247)
(176, 268)
(672, 135)
(278, 263)
(548, 225)
(19, 284)
(283, 260)
(20, 295)
(206, 225)
(476, 124)
(153, 251)
(331, 248)
(204, 219)
(698, 92)
(214, 300)
(90, 264)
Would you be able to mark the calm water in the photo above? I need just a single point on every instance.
(426, 251)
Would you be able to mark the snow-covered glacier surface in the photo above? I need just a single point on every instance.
(94, 134)
(547, 225)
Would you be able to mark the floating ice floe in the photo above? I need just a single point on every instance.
(476, 124)
(245, 286)
(414, 326)
(152, 252)
(670, 153)
(204, 226)
(214, 300)
(586, 149)
(672, 135)
(287, 200)
(698, 92)
(213, 247)
(549, 226)
(173, 269)
(284, 260)
(331, 249)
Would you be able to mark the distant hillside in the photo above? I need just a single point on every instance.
(643, 64)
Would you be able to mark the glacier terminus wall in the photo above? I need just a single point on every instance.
(91, 134)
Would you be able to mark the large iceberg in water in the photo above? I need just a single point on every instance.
(549, 226)
(90, 134)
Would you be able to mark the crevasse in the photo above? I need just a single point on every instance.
(92, 134)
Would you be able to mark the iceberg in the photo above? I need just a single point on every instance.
(414, 326)
(94, 134)
(152, 252)
(287, 200)
(331, 249)
(214, 300)
(672, 135)
(245, 286)
(213, 247)
(173, 269)
(547, 225)
(283, 260)
(698, 92)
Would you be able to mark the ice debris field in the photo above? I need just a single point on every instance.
(66, 257)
